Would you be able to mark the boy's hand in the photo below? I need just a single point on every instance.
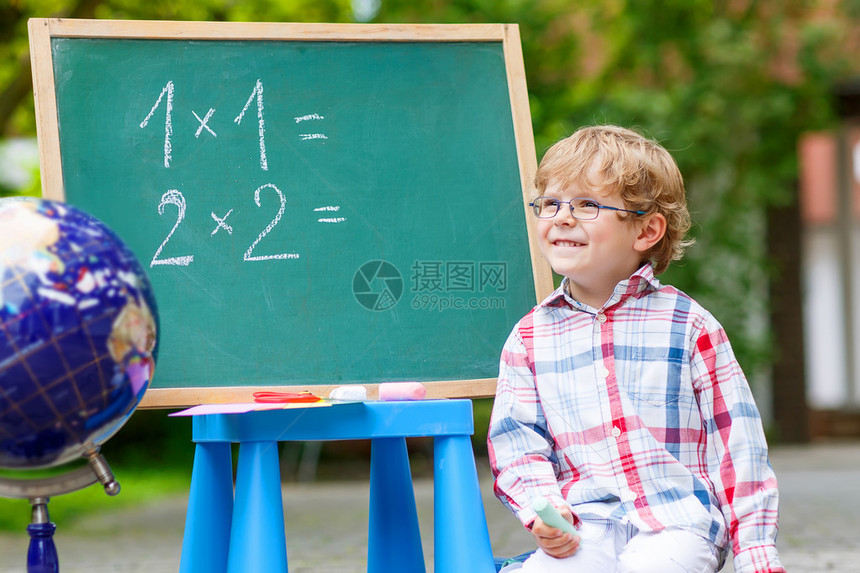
(555, 542)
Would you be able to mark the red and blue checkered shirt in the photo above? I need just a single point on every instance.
(637, 412)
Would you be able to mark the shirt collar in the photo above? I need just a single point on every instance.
(643, 279)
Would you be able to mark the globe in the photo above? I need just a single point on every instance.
(78, 325)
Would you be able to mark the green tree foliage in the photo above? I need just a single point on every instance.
(719, 88)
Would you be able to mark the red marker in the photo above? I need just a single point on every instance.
(285, 397)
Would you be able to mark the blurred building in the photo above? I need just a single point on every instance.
(830, 212)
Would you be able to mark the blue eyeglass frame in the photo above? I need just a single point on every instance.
(570, 206)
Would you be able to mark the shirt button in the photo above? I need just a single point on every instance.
(628, 495)
(616, 432)
(603, 371)
(601, 318)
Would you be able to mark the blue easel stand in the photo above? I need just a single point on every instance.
(42, 553)
(257, 540)
(207, 537)
(459, 510)
(248, 535)
(394, 538)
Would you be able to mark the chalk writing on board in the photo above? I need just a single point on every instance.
(204, 123)
(221, 223)
(330, 219)
(308, 117)
(168, 125)
(171, 197)
(310, 136)
(258, 93)
(175, 197)
(268, 229)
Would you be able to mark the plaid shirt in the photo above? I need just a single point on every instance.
(637, 412)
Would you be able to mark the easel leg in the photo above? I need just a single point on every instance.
(394, 538)
(257, 539)
(210, 510)
(462, 540)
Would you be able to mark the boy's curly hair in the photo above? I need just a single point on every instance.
(644, 173)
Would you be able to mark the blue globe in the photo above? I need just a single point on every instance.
(78, 327)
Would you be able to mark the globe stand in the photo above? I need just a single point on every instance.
(42, 553)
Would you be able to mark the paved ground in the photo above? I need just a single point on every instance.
(820, 517)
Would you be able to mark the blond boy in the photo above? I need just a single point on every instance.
(619, 398)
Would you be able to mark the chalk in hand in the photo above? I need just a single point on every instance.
(550, 515)
(393, 391)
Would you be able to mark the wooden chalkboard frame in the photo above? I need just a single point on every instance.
(43, 30)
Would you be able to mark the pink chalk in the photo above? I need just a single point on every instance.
(393, 391)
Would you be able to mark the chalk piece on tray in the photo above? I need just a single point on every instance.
(349, 393)
(393, 391)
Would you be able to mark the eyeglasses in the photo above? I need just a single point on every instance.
(581, 208)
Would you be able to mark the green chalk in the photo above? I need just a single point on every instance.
(550, 515)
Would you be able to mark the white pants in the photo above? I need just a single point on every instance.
(609, 547)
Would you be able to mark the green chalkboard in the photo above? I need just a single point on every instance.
(310, 212)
